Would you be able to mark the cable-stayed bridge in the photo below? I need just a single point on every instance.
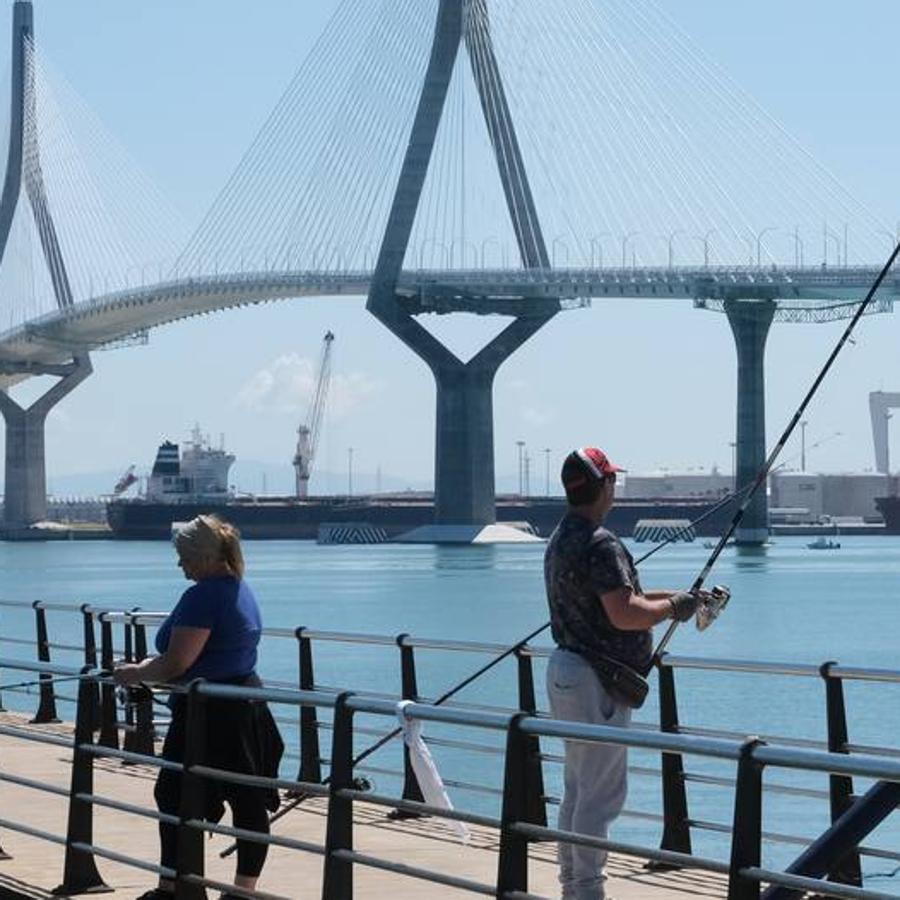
(49, 340)
(436, 156)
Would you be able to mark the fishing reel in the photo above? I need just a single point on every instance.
(711, 606)
(132, 694)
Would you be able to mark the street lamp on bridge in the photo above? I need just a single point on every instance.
(596, 242)
(521, 446)
(704, 238)
(670, 241)
(893, 239)
(565, 246)
(827, 234)
(464, 247)
(759, 236)
(484, 243)
(625, 239)
(798, 248)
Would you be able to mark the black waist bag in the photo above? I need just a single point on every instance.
(624, 684)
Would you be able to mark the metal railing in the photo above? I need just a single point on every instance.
(139, 726)
(515, 825)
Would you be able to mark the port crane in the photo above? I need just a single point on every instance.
(308, 433)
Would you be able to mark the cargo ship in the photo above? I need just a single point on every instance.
(185, 484)
(889, 507)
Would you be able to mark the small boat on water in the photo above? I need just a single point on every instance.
(709, 545)
(824, 543)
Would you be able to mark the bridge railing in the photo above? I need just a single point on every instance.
(404, 656)
(515, 827)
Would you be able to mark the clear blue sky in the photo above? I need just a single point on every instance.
(186, 85)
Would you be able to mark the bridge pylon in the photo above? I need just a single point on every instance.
(750, 322)
(25, 500)
(464, 449)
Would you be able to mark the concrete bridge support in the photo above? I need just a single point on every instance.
(464, 455)
(750, 321)
(25, 496)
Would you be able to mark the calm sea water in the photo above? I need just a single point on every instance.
(789, 604)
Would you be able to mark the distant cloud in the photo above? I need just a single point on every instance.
(288, 383)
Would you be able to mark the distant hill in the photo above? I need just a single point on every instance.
(259, 477)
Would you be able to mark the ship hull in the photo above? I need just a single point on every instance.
(889, 507)
(291, 519)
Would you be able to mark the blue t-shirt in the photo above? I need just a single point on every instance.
(228, 608)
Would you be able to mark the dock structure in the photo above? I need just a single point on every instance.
(35, 867)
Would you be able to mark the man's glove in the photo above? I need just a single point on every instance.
(684, 605)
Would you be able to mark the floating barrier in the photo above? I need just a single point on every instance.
(351, 533)
(657, 530)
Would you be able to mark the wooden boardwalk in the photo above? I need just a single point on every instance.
(36, 866)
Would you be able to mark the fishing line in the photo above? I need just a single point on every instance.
(776, 450)
(38, 682)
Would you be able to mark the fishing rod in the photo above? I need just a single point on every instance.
(38, 682)
(509, 651)
(779, 446)
(749, 490)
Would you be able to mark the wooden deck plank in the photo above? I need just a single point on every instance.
(36, 866)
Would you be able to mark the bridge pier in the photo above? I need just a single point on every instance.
(750, 321)
(25, 492)
(464, 451)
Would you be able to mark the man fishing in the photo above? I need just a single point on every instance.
(601, 621)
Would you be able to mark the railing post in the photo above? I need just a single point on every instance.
(410, 691)
(128, 708)
(676, 821)
(537, 810)
(512, 863)
(140, 738)
(90, 655)
(46, 711)
(80, 874)
(337, 877)
(746, 834)
(848, 869)
(310, 756)
(193, 799)
(109, 731)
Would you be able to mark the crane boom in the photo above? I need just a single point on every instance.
(308, 434)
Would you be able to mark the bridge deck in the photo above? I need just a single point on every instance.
(36, 866)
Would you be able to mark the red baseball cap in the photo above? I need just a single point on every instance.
(587, 464)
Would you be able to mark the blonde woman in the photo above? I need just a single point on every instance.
(213, 634)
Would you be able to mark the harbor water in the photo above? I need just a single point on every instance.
(789, 604)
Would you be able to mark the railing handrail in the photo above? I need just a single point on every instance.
(750, 666)
(746, 753)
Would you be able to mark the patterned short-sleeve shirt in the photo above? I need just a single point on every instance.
(581, 564)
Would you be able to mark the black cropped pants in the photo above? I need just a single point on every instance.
(248, 804)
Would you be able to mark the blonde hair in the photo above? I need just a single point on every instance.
(212, 542)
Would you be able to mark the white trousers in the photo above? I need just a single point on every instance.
(595, 774)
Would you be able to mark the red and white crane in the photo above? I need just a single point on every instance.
(308, 434)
